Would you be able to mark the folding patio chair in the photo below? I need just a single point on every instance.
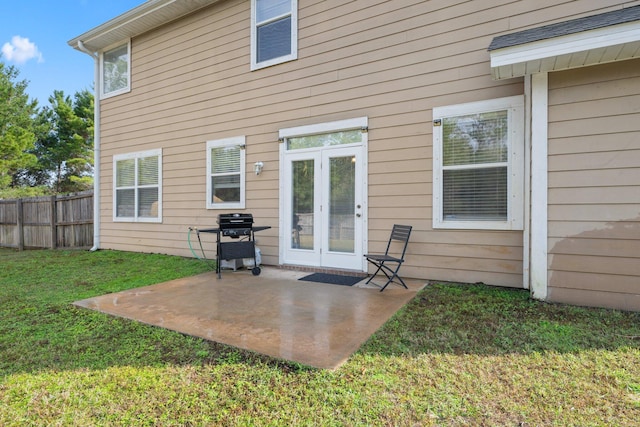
(390, 262)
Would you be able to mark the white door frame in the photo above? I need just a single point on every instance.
(284, 186)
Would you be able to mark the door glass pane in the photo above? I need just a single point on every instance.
(342, 204)
(302, 219)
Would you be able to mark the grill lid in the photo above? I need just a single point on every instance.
(235, 224)
(235, 220)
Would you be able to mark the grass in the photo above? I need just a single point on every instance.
(455, 355)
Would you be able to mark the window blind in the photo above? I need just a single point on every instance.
(148, 171)
(126, 173)
(475, 166)
(274, 39)
(225, 160)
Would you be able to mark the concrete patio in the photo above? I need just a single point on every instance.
(315, 324)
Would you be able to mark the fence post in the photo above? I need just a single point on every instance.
(54, 214)
(20, 225)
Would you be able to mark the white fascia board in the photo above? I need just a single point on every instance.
(138, 20)
(566, 45)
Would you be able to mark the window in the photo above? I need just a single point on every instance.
(274, 32)
(225, 173)
(478, 165)
(115, 70)
(137, 194)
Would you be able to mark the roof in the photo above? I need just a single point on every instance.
(591, 40)
(587, 23)
(139, 20)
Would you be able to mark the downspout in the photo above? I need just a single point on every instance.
(96, 146)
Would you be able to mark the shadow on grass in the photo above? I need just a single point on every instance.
(486, 320)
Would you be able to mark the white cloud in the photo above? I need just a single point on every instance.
(20, 50)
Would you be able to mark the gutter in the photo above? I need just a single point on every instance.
(96, 145)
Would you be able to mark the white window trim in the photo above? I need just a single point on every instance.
(337, 126)
(137, 155)
(233, 141)
(361, 123)
(126, 89)
(515, 163)
(254, 39)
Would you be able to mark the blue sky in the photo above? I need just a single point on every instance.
(34, 36)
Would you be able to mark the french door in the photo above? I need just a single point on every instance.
(324, 211)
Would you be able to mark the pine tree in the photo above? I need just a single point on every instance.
(65, 150)
(17, 125)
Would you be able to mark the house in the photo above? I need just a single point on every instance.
(506, 133)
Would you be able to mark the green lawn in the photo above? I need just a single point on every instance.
(457, 355)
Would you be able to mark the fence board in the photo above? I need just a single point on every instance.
(74, 220)
(47, 222)
(9, 223)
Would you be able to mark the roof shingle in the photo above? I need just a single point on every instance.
(573, 26)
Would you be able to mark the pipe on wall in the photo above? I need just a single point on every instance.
(96, 146)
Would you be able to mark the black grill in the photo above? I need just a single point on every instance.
(235, 225)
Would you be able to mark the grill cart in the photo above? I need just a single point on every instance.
(239, 228)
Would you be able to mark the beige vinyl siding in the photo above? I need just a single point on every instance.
(392, 61)
(594, 186)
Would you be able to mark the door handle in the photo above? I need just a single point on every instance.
(358, 215)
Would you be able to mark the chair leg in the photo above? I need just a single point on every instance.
(377, 271)
(391, 279)
(389, 273)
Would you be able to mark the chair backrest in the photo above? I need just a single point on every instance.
(400, 233)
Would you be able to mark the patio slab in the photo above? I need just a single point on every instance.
(315, 324)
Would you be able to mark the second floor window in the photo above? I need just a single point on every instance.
(115, 70)
(274, 32)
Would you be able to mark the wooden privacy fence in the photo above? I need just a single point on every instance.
(47, 222)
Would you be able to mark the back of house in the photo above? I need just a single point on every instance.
(507, 134)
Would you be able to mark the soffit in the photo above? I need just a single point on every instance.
(598, 39)
(139, 20)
